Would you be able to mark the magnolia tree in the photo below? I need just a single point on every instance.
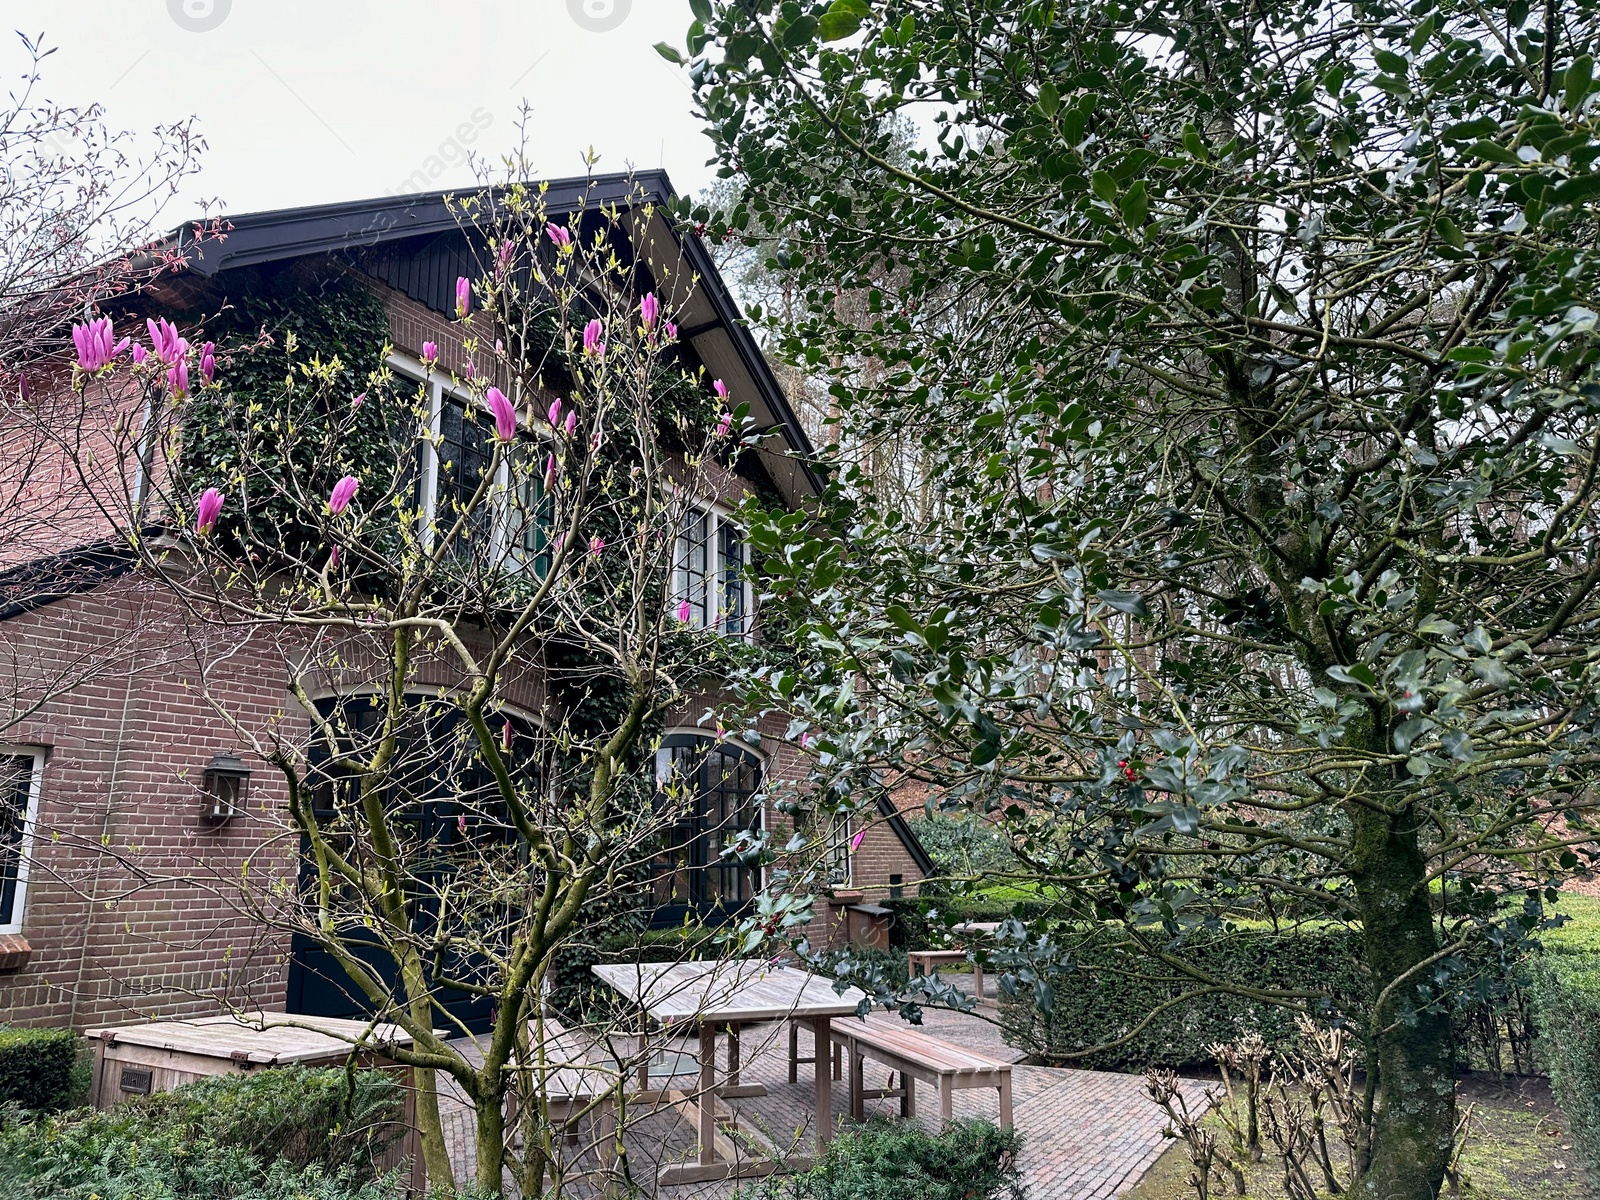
(484, 650)
(1262, 581)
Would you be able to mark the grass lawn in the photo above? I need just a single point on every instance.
(1519, 1149)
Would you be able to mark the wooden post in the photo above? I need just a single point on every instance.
(708, 1093)
(1005, 1099)
(822, 1033)
(794, 1051)
(733, 1053)
(858, 1103)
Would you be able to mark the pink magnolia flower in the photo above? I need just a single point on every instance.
(139, 354)
(164, 340)
(555, 414)
(96, 345)
(572, 422)
(24, 392)
(596, 544)
(671, 330)
(505, 414)
(725, 426)
(506, 734)
(720, 388)
(855, 842)
(549, 472)
(208, 362)
(470, 371)
(461, 822)
(343, 492)
(592, 332)
(463, 296)
(430, 353)
(207, 511)
(178, 377)
(507, 249)
(683, 612)
(649, 310)
(805, 740)
(359, 400)
(333, 559)
(559, 235)
(499, 346)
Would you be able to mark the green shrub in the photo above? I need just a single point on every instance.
(867, 968)
(280, 1134)
(1566, 1004)
(894, 1160)
(42, 1069)
(1112, 989)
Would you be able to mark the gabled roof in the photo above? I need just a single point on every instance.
(709, 317)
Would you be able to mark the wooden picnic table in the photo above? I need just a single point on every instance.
(731, 993)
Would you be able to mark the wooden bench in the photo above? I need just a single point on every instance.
(916, 1056)
(928, 962)
(572, 1087)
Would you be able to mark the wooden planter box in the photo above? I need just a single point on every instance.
(157, 1056)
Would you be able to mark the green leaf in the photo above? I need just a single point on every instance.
(1357, 673)
(797, 33)
(1127, 602)
(701, 10)
(1494, 152)
(1450, 231)
(1049, 99)
(1104, 186)
(1136, 206)
(1394, 64)
(1194, 143)
(1578, 80)
(902, 619)
(838, 23)
(669, 53)
(984, 753)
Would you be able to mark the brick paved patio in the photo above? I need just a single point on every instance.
(1087, 1135)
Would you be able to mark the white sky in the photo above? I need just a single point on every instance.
(309, 101)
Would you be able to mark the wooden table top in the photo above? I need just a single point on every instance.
(732, 990)
(266, 1039)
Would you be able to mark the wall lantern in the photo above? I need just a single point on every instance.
(226, 781)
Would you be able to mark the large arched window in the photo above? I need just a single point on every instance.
(709, 791)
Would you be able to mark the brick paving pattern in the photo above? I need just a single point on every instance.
(1087, 1135)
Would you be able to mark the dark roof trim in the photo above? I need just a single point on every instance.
(43, 581)
(903, 831)
(324, 228)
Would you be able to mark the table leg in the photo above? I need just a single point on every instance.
(977, 980)
(822, 1028)
(733, 1053)
(708, 1092)
(794, 1051)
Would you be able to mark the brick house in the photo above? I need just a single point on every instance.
(104, 823)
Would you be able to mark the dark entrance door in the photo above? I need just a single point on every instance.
(447, 814)
(712, 789)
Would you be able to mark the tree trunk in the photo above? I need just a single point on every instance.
(1414, 1120)
(430, 1131)
(491, 1140)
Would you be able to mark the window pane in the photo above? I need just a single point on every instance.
(16, 780)
(532, 511)
(464, 457)
(730, 577)
(693, 574)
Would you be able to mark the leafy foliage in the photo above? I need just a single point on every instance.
(1566, 993)
(1248, 356)
(895, 1160)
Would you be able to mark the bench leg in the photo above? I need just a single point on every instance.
(908, 1099)
(794, 1052)
(733, 1054)
(1005, 1099)
(946, 1095)
(977, 980)
(838, 1061)
(858, 1103)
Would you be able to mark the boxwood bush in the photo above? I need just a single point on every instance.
(1566, 1004)
(42, 1069)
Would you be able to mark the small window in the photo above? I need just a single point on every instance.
(836, 863)
(463, 457)
(531, 516)
(19, 812)
(692, 581)
(730, 578)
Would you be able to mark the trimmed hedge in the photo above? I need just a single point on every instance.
(899, 1160)
(1566, 1000)
(1112, 989)
(44, 1070)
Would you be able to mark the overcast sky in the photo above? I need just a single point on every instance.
(308, 101)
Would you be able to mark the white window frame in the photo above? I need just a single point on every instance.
(839, 850)
(716, 516)
(30, 823)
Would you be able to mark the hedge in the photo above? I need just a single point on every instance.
(1112, 989)
(1566, 999)
(42, 1069)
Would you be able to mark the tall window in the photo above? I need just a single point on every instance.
(19, 812)
(462, 460)
(708, 572)
(710, 792)
(836, 854)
